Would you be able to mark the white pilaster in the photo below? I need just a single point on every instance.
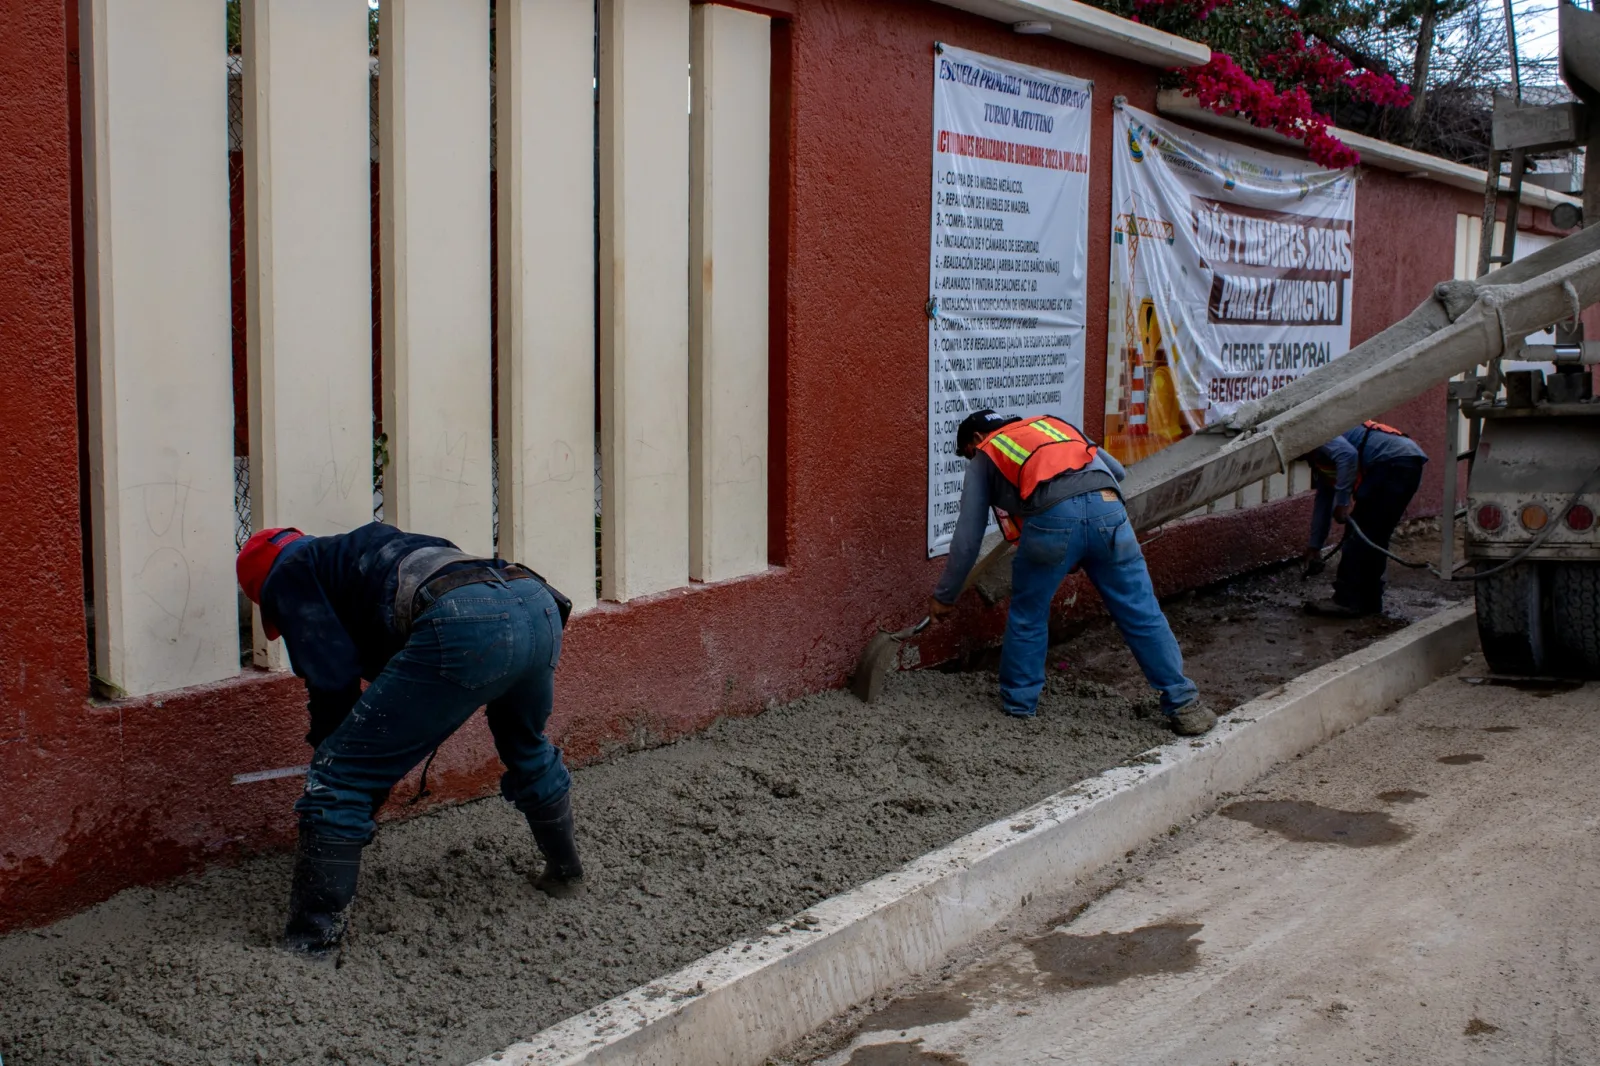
(308, 241)
(155, 128)
(544, 96)
(731, 60)
(434, 134)
(644, 295)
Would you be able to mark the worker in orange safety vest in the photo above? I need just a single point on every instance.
(1056, 495)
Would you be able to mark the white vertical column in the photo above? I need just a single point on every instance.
(308, 244)
(544, 98)
(729, 150)
(434, 192)
(155, 128)
(644, 295)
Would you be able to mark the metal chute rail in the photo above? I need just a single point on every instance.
(1463, 325)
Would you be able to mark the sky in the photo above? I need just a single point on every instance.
(1537, 35)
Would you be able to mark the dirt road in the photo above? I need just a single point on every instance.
(1422, 889)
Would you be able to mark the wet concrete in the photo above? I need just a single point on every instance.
(1309, 823)
(689, 847)
(1461, 760)
(1109, 958)
(453, 955)
(1242, 637)
(1402, 795)
(900, 1053)
(930, 1008)
(1479, 1027)
(1500, 728)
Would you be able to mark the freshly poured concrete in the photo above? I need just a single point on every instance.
(1381, 900)
(690, 847)
(454, 954)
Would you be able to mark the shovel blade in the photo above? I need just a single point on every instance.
(876, 661)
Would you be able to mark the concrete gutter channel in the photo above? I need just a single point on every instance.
(747, 1001)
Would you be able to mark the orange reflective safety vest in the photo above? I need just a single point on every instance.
(1029, 453)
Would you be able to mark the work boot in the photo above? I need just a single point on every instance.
(1192, 719)
(1333, 609)
(553, 827)
(325, 872)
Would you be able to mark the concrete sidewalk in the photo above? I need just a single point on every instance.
(1422, 889)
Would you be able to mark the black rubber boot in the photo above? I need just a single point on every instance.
(552, 827)
(325, 873)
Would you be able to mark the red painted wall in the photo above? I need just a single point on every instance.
(102, 795)
(45, 732)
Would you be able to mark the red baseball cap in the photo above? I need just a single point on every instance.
(255, 563)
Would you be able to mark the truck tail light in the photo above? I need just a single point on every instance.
(1580, 518)
(1489, 518)
(1534, 518)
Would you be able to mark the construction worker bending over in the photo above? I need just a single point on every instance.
(1368, 475)
(1056, 495)
(438, 633)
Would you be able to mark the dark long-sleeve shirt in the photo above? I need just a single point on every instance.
(332, 598)
(1335, 465)
(984, 487)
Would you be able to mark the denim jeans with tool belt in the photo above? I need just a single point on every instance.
(1092, 531)
(485, 645)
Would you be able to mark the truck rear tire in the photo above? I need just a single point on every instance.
(1511, 619)
(1575, 619)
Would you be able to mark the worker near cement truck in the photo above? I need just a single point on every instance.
(1366, 475)
(438, 633)
(1056, 496)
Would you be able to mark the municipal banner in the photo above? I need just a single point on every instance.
(1009, 241)
(1230, 277)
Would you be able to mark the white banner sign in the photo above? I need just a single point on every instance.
(1230, 277)
(1009, 245)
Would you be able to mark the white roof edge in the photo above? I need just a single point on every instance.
(1092, 28)
(1374, 153)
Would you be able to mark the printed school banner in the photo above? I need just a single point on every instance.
(1009, 243)
(1230, 277)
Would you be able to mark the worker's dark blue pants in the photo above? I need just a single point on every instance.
(493, 646)
(1380, 503)
(1092, 531)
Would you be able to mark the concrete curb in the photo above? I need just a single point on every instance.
(743, 1003)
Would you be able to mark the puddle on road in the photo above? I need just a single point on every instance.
(902, 1054)
(1402, 795)
(1308, 823)
(1460, 760)
(1501, 728)
(929, 1008)
(1107, 958)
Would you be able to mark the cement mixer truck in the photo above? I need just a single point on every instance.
(1532, 515)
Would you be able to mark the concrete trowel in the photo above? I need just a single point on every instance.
(883, 650)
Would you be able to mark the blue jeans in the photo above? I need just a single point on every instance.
(1093, 532)
(493, 646)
